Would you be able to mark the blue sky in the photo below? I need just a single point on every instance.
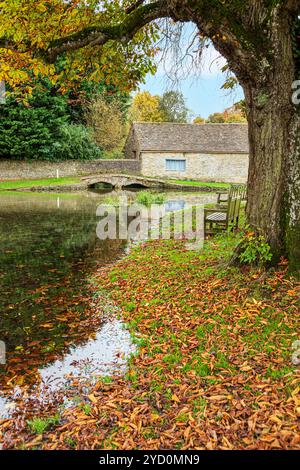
(202, 89)
(204, 96)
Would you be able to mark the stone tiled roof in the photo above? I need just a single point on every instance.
(204, 138)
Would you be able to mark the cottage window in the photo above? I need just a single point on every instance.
(175, 165)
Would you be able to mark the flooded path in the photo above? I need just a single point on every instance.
(55, 325)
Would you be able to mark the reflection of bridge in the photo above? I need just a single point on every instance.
(123, 181)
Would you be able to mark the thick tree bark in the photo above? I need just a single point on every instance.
(292, 227)
(273, 207)
(269, 123)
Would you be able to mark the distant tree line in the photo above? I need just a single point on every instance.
(237, 113)
(171, 107)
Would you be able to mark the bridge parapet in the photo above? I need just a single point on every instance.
(123, 181)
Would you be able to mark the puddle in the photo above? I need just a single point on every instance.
(106, 355)
(6, 407)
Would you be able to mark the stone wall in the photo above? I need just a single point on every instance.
(132, 145)
(13, 169)
(229, 168)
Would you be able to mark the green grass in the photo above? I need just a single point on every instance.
(200, 183)
(86, 408)
(40, 425)
(38, 182)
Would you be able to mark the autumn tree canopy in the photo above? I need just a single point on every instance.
(145, 108)
(170, 107)
(31, 33)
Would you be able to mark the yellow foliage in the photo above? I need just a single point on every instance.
(199, 120)
(227, 118)
(107, 123)
(32, 26)
(236, 117)
(145, 108)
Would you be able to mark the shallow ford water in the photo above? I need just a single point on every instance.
(52, 322)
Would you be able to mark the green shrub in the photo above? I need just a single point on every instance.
(255, 250)
(29, 131)
(76, 143)
(146, 198)
(40, 130)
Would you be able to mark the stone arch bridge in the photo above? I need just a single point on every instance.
(123, 181)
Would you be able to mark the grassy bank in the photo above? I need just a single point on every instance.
(202, 184)
(214, 365)
(27, 183)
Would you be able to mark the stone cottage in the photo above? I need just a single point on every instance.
(207, 152)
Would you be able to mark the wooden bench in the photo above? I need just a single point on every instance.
(223, 197)
(224, 218)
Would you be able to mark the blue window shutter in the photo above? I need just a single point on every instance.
(175, 165)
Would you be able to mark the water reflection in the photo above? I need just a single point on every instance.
(48, 252)
(175, 205)
(48, 248)
(104, 355)
(101, 356)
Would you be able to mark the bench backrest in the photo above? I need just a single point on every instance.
(234, 203)
(243, 189)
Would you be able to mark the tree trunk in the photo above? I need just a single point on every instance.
(292, 228)
(273, 208)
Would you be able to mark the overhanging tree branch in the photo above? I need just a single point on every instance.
(133, 7)
(292, 5)
(229, 31)
(139, 17)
